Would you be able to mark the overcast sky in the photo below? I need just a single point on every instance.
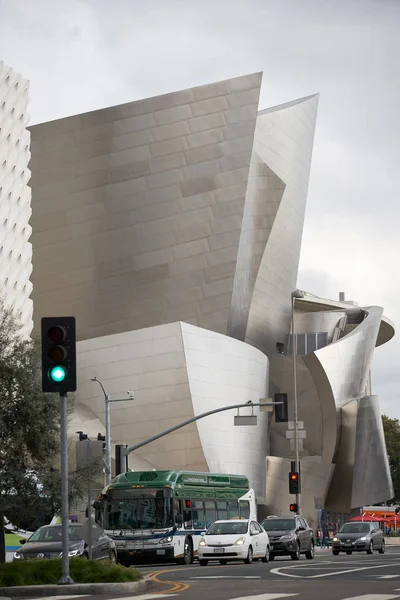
(85, 54)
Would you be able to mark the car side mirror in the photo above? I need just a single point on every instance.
(178, 519)
(22, 542)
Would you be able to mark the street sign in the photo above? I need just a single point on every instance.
(301, 434)
(240, 420)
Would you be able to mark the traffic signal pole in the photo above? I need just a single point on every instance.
(65, 577)
(59, 376)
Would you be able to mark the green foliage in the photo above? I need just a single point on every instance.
(391, 428)
(47, 572)
(30, 482)
(29, 422)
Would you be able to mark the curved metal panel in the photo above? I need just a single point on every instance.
(178, 371)
(372, 480)
(283, 140)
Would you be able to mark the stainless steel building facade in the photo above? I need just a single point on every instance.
(171, 228)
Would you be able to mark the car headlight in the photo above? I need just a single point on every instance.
(240, 541)
(362, 539)
(73, 553)
(286, 537)
(202, 543)
(335, 539)
(17, 555)
(166, 540)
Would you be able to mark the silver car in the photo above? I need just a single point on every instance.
(359, 537)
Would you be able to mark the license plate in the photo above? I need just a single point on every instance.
(160, 552)
(219, 550)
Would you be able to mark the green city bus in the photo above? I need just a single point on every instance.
(159, 515)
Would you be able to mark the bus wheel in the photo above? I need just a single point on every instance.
(203, 563)
(187, 552)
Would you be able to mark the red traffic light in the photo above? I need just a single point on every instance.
(56, 334)
(294, 476)
(293, 508)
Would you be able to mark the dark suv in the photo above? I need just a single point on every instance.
(289, 536)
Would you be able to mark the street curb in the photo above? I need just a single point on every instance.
(75, 589)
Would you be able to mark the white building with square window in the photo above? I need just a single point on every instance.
(15, 196)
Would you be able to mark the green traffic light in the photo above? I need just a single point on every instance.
(57, 374)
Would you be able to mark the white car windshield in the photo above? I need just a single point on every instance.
(234, 528)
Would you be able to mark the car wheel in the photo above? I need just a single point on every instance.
(349, 552)
(382, 548)
(370, 548)
(223, 562)
(203, 563)
(249, 558)
(187, 552)
(335, 552)
(265, 558)
(271, 556)
(296, 555)
(310, 553)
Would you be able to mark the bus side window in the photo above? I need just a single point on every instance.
(211, 513)
(198, 514)
(233, 509)
(177, 509)
(222, 510)
(244, 509)
(187, 514)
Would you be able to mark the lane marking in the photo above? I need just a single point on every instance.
(386, 576)
(175, 585)
(141, 597)
(373, 597)
(227, 577)
(277, 572)
(272, 597)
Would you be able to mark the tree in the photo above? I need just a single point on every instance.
(391, 428)
(30, 482)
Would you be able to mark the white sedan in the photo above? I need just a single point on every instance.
(234, 540)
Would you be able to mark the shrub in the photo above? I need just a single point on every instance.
(45, 572)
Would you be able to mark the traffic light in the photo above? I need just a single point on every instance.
(58, 354)
(293, 508)
(294, 483)
(121, 459)
(281, 410)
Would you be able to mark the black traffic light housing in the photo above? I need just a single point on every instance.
(293, 507)
(281, 410)
(294, 480)
(58, 354)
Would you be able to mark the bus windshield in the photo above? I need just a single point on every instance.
(138, 509)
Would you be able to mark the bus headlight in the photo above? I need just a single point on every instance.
(202, 543)
(17, 555)
(166, 540)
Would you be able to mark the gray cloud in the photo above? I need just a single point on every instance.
(86, 54)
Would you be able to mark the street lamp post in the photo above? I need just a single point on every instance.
(296, 294)
(108, 425)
